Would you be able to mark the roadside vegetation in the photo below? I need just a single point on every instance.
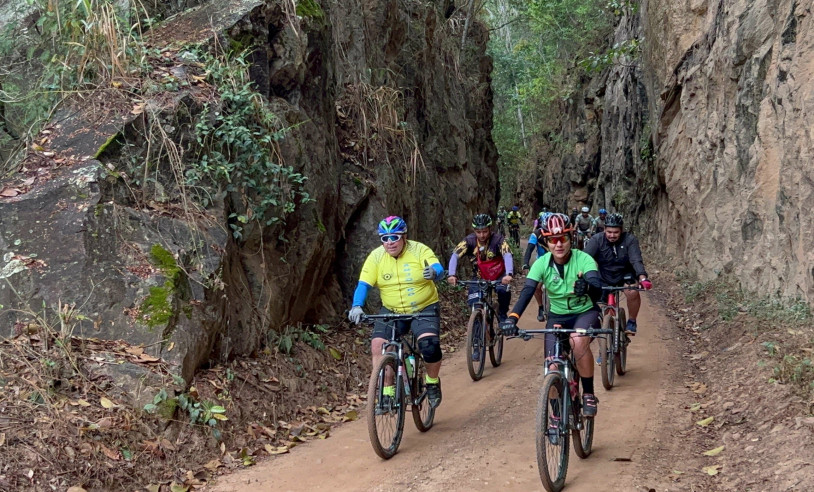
(542, 51)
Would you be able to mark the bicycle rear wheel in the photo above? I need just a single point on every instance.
(552, 434)
(475, 346)
(423, 413)
(607, 357)
(385, 422)
(496, 346)
(621, 355)
(583, 438)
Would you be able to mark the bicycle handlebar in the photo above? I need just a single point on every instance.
(493, 283)
(625, 287)
(529, 334)
(370, 318)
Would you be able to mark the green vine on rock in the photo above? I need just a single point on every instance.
(237, 139)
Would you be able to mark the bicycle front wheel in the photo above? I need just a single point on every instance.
(606, 355)
(621, 355)
(582, 435)
(423, 413)
(475, 346)
(552, 432)
(385, 414)
(496, 346)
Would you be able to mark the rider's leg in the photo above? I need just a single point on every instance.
(504, 297)
(634, 302)
(582, 353)
(428, 331)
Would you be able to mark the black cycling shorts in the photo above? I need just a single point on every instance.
(588, 319)
(419, 327)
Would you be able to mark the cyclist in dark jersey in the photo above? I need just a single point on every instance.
(566, 273)
(618, 255)
(492, 258)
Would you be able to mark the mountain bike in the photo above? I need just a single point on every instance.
(501, 227)
(557, 415)
(613, 347)
(582, 236)
(514, 231)
(480, 331)
(401, 365)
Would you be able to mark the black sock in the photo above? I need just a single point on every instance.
(555, 407)
(587, 386)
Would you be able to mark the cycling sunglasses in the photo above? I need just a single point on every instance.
(558, 239)
(391, 238)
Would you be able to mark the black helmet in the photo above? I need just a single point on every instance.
(614, 220)
(481, 221)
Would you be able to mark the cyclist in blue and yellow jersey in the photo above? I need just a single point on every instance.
(492, 258)
(537, 242)
(566, 273)
(514, 219)
(404, 272)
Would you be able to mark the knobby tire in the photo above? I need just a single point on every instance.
(476, 338)
(552, 460)
(584, 438)
(385, 430)
(606, 354)
(423, 413)
(621, 355)
(496, 345)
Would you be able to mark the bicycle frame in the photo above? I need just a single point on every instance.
(486, 290)
(395, 346)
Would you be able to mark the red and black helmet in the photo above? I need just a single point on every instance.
(556, 225)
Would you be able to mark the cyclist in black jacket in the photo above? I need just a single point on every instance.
(618, 254)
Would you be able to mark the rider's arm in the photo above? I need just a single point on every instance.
(592, 247)
(525, 297)
(527, 255)
(634, 254)
(594, 279)
(509, 262)
(461, 249)
(453, 265)
(360, 295)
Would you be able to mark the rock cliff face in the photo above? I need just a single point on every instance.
(385, 115)
(704, 143)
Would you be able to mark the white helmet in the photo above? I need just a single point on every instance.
(585, 210)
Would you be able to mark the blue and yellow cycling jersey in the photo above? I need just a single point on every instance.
(401, 284)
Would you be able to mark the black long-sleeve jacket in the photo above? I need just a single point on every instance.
(616, 259)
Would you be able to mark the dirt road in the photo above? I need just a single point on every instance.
(483, 438)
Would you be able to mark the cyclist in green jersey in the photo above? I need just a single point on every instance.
(567, 274)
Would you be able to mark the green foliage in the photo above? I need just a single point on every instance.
(73, 46)
(536, 49)
(310, 9)
(597, 62)
(156, 309)
(164, 261)
(237, 147)
(284, 341)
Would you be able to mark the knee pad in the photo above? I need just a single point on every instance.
(430, 348)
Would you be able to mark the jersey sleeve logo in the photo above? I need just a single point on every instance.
(387, 276)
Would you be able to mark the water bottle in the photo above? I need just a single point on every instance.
(406, 383)
(409, 361)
